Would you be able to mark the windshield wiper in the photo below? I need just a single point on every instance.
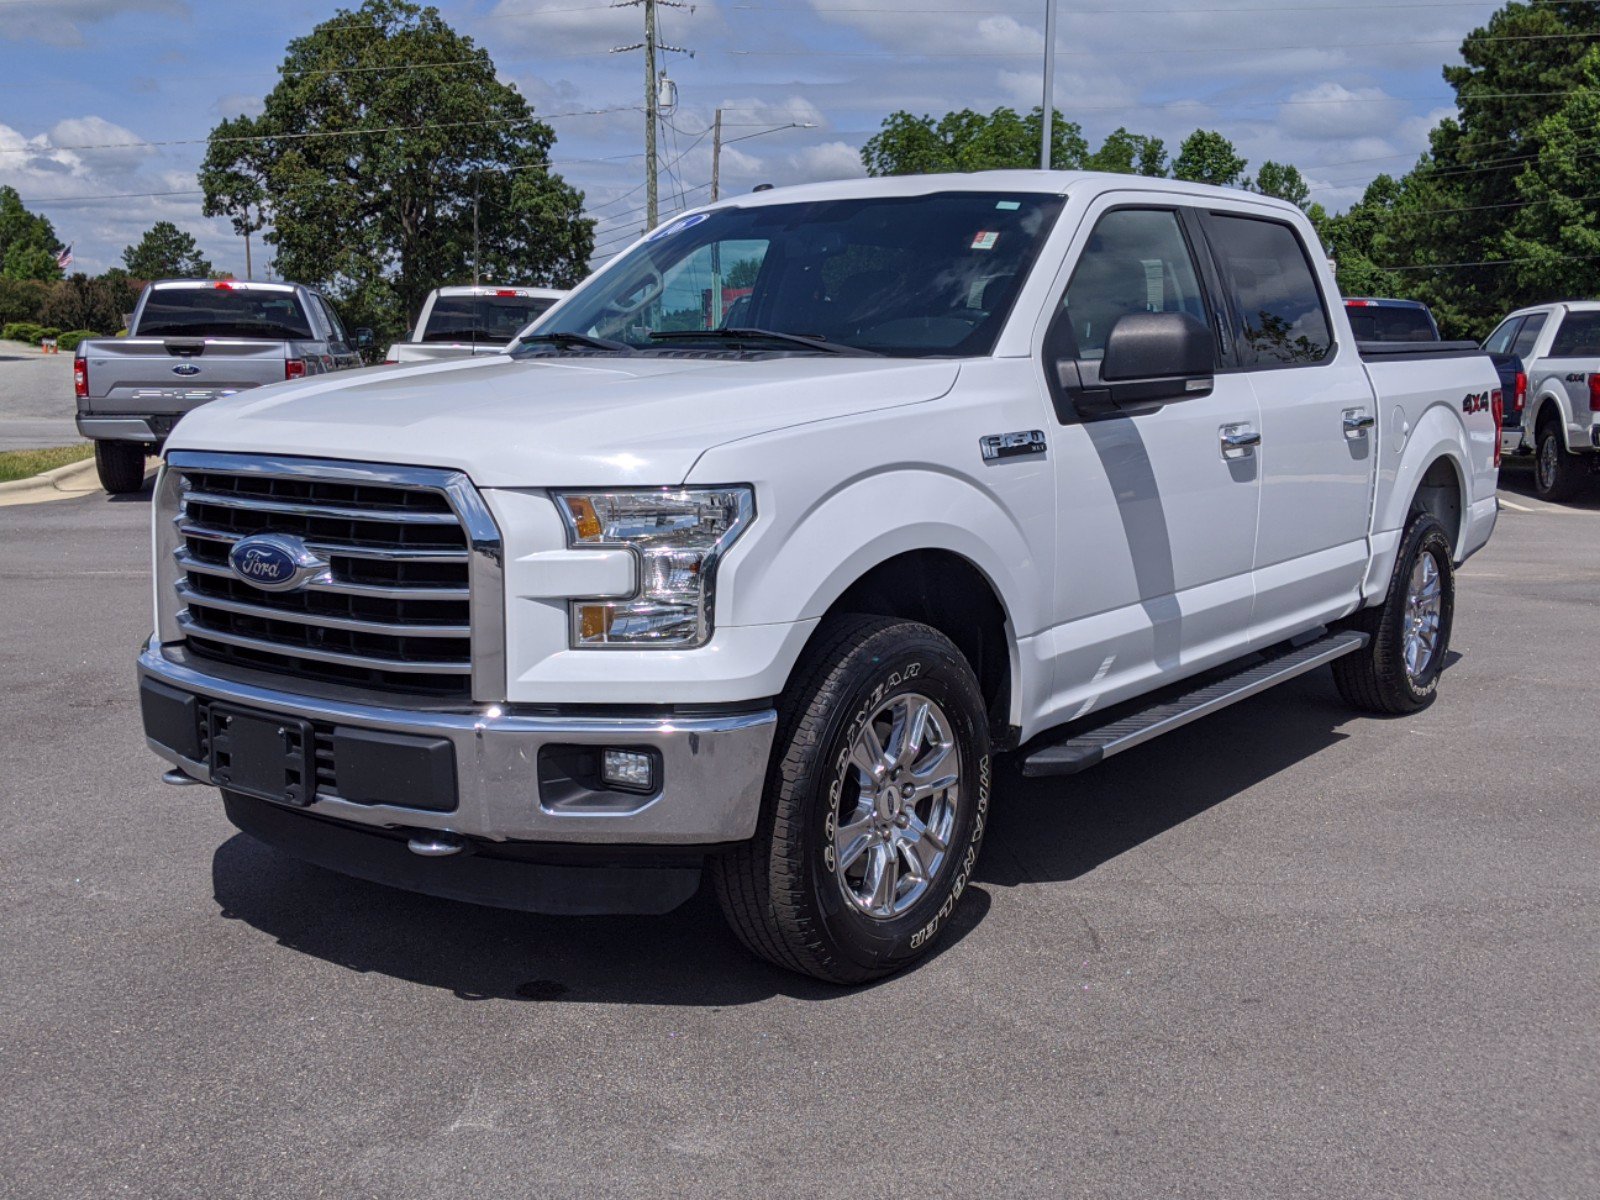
(576, 339)
(737, 334)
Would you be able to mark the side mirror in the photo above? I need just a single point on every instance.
(364, 338)
(1152, 346)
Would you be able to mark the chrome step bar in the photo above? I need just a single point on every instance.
(1078, 753)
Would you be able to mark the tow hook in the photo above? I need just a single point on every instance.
(436, 845)
(178, 778)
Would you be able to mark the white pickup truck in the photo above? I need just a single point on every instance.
(1554, 415)
(1024, 462)
(460, 322)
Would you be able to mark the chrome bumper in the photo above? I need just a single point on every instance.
(712, 767)
(117, 429)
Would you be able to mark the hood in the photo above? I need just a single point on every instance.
(555, 422)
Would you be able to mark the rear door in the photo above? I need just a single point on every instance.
(1156, 517)
(1317, 418)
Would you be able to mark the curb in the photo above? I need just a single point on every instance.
(55, 484)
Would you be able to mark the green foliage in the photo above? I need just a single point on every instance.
(1283, 181)
(23, 331)
(81, 302)
(742, 274)
(969, 141)
(381, 218)
(1127, 153)
(166, 252)
(27, 241)
(1207, 157)
(68, 341)
(21, 299)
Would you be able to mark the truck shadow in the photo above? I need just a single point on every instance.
(1042, 830)
(1516, 479)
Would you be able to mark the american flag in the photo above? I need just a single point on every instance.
(64, 256)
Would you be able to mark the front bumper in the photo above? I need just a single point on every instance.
(711, 767)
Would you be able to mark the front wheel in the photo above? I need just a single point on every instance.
(874, 808)
(1555, 472)
(1398, 670)
(120, 466)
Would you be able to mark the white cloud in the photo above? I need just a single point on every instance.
(61, 22)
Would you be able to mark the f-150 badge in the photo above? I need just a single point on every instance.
(997, 447)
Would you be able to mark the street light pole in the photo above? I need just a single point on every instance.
(1047, 114)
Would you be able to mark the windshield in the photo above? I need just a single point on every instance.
(481, 318)
(907, 276)
(219, 312)
(1383, 323)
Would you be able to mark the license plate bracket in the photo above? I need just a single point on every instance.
(262, 755)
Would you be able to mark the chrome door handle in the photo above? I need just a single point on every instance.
(1357, 421)
(1239, 440)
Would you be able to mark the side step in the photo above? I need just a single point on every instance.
(1078, 753)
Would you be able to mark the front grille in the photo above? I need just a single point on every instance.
(394, 613)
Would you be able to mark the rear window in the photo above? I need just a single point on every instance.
(482, 318)
(1274, 292)
(1390, 323)
(1578, 337)
(218, 312)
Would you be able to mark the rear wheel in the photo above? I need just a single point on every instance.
(120, 466)
(1398, 670)
(874, 809)
(1556, 473)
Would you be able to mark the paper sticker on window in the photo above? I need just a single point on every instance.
(985, 241)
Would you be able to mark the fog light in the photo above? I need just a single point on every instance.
(630, 770)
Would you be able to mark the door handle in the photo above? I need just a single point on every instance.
(1357, 421)
(1239, 440)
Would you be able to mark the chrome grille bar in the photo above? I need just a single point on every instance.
(288, 649)
(261, 504)
(192, 565)
(325, 621)
(334, 549)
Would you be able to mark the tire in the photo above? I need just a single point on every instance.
(120, 466)
(1556, 473)
(1378, 678)
(784, 892)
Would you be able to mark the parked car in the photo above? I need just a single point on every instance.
(189, 342)
(985, 456)
(1555, 411)
(460, 322)
(1385, 320)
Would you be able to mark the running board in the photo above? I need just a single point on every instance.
(1086, 749)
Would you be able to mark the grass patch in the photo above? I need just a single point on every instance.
(20, 464)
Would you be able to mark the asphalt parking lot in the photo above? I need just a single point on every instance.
(1284, 951)
(36, 404)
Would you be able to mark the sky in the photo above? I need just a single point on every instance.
(1342, 90)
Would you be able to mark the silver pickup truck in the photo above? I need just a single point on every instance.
(465, 321)
(194, 340)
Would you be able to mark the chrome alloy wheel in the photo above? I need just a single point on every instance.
(1549, 449)
(1424, 610)
(897, 807)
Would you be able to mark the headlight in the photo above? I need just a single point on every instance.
(679, 535)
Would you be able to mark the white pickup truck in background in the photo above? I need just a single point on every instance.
(1025, 462)
(1557, 414)
(460, 322)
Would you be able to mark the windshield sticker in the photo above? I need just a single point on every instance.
(1009, 205)
(985, 241)
(688, 222)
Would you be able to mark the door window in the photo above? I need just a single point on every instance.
(1578, 337)
(1500, 340)
(1275, 296)
(1137, 261)
(335, 328)
(1527, 336)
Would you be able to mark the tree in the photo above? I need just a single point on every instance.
(1359, 240)
(369, 167)
(1208, 157)
(166, 252)
(1282, 181)
(27, 241)
(80, 302)
(1130, 154)
(966, 140)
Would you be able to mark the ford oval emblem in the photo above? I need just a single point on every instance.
(186, 369)
(275, 562)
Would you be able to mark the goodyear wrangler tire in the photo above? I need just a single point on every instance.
(1398, 671)
(874, 809)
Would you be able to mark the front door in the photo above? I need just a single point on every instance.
(1156, 510)
(1318, 426)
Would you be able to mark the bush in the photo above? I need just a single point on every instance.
(23, 331)
(22, 300)
(49, 331)
(68, 341)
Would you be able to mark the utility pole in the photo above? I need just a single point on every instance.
(1048, 114)
(716, 156)
(651, 46)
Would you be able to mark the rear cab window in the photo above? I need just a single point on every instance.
(1278, 310)
(481, 318)
(224, 313)
(1578, 336)
(1390, 323)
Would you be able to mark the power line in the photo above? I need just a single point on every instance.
(1492, 262)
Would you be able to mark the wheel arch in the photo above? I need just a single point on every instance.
(1550, 405)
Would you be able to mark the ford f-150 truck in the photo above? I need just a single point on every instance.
(1026, 462)
(190, 341)
(1555, 413)
(460, 322)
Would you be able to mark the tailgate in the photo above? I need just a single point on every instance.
(174, 375)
